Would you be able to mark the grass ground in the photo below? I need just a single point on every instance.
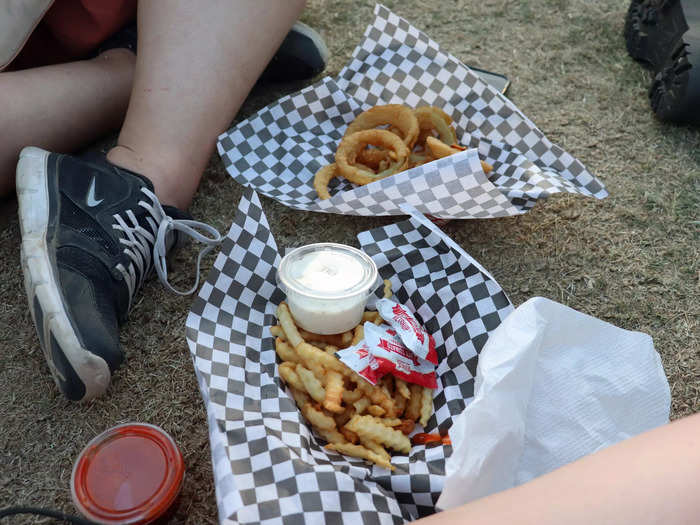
(631, 259)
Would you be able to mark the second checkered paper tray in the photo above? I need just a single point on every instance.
(278, 150)
(269, 466)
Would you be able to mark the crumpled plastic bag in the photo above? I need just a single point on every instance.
(552, 385)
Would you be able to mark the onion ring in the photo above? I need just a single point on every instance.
(394, 115)
(322, 178)
(372, 157)
(418, 159)
(434, 119)
(347, 153)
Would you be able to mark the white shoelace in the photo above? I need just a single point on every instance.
(137, 242)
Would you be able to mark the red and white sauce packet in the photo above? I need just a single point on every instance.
(413, 335)
(394, 358)
(360, 359)
(381, 353)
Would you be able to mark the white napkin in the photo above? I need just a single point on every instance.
(552, 385)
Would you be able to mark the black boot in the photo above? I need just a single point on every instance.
(664, 36)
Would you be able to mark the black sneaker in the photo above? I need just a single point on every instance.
(302, 55)
(91, 233)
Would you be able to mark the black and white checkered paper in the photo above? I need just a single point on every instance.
(278, 150)
(269, 467)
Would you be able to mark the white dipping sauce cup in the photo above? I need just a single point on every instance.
(327, 286)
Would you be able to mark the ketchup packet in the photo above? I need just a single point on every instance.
(360, 359)
(394, 358)
(409, 330)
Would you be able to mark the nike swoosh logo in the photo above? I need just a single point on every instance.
(91, 201)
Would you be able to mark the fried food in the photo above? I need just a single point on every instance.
(346, 158)
(277, 331)
(361, 405)
(368, 427)
(407, 426)
(350, 435)
(322, 178)
(396, 116)
(354, 416)
(331, 435)
(290, 330)
(367, 152)
(351, 396)
(372, 317)
(300, 397)
(414, 404)
(339, 340)
(376, 448)
(317, 418)
(311, 384)
(311, 354)
(359, 451)
(334, 392)
(376, 410)
(387, 289)
(402, 388)
(439, 150)
(288, 373)
(433, 121)
(378, 397)
(426, 406)
(400, 402)
(359, 335)
(285, 351)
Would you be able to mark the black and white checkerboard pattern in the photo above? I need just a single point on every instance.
(278, 150)
(268, 466)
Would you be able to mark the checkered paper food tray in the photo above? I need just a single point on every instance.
(269, 467)
(278, 150)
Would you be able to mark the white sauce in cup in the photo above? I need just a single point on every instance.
(327, 286)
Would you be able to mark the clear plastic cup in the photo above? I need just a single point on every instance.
(327, 286)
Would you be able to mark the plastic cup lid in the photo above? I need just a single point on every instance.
(131, 473)
(327, 270)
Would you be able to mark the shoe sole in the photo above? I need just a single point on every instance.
(79, 374)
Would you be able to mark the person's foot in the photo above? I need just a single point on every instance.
(652, 28)
(91, 233)
(664, 36)
(302, 55)
(674, 94)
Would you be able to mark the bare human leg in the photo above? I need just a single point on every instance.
(197, 62)
(62, 107)
(92, 230)
(647, 480)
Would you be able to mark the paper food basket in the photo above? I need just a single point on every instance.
(278, 150)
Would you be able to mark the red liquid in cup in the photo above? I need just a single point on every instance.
(131, 473)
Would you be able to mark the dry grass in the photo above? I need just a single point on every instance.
(631, 259)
